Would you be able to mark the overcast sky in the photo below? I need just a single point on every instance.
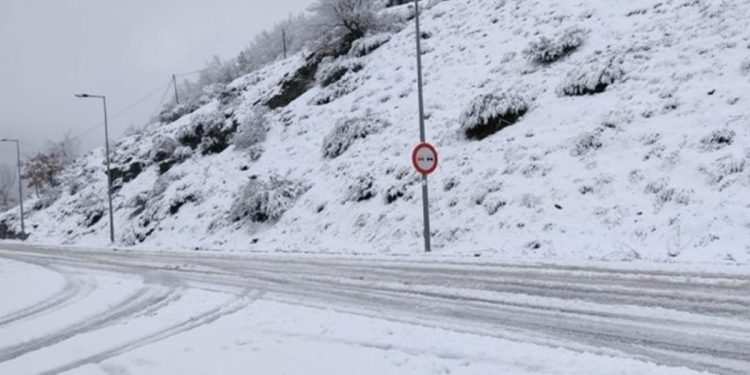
(125, 49)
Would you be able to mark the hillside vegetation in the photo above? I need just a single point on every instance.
(613, 130)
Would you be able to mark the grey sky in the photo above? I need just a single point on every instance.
(124, 49)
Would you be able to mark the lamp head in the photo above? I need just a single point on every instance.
(82, 95)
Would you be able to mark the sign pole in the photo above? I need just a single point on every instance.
(422, 137)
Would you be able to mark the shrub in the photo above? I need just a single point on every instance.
(163, 148)
(490, 113)
(333, 71)
(179, 200)
(362, 189)
(294, 86)
(405, 178)
(9, 233)
(173, 112)
(252, 130)
(334, 91)
(347, 131)
(745, 67)
(227, 95)
(722, 170)
(592, 78)
(365, 46)
(586, 143)
(546, 51)
(183, 153)
(261, 201)
(394, 192)
(138, 203)
(209, 133)
(347, 20)
(718, 139)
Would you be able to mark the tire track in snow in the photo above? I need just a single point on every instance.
(705, 329)
(72, 290)
(197, 321)
(707, 352)
(142, 300)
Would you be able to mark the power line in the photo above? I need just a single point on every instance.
(161, 102)
(197, 71)
(124, 110)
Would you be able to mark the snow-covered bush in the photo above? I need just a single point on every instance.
(348, 130)
(546, 51)
(10, 227)
(252, 130)
(586, 143)
(138, 203)
(365, 46)
(331, 72)
(745, 67)
(182, 153)
(209, 132)
(335, 91)
(228, 94)
(362, 189)
(450, 183)
(405, 178)
(395, 192)
(490, 113)
(724, 169)
(345, 21)
(294, 85)
(591, 78)
(163, 148)
(172, 112)
(179, 200)
(718, 139)
(663, 193)
(263, 201)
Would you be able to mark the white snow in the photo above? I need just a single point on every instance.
(25, 284)
(197, 329)
(620, 175)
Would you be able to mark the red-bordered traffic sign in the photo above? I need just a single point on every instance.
(424, 158)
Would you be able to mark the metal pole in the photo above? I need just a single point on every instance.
(422, 137)
(283, 37)
(20, 188)
(109, 174)
(176, 95)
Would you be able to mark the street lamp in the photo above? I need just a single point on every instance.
(20, 182)
(109, 172)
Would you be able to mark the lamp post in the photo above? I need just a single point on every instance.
(109, 172)
(20, 182)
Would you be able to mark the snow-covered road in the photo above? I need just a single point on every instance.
(117, 312)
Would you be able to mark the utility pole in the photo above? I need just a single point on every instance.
(422, 136)
(283, 40)
(20, 182)
(176, 95)
(109, 171)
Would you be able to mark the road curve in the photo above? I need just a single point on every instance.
(691, 319)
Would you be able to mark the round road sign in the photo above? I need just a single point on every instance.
(424, 158)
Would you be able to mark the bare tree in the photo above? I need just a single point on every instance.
(353, 17)
(65, 150)
(42, 171)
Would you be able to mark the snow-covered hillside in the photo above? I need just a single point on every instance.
(632, 143)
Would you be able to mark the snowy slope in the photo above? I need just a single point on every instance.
(653, 168)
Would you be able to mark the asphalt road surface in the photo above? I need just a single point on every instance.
(696, 320)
